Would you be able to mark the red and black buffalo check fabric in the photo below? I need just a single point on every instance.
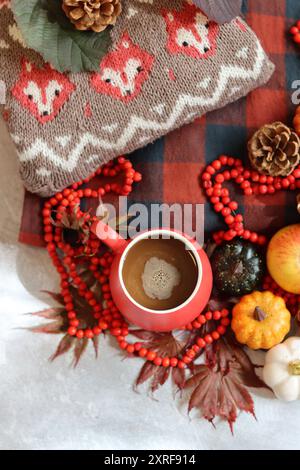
(172, 165)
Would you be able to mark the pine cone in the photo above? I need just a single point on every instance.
(92, 14)
(274, 150)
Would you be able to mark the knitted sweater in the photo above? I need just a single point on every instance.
(167, 65)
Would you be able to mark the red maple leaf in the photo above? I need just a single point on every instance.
(218, 387)
(59, 325)
(164, 344)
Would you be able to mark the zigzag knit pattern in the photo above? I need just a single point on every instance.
(168, 64)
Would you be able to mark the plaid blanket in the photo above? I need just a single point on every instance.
(172, 165)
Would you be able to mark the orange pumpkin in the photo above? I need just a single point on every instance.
(261, 320)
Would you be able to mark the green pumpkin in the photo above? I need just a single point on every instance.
(238, 268)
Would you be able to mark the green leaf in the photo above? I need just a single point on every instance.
(47, 30)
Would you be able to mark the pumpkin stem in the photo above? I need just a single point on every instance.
(294, 367)
(238, 268)
(259, 314)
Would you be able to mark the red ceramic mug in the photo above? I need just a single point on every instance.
(155, 320)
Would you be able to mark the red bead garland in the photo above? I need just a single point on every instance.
(66, 259)
(295, 32)
(66, 265)
(191, 353)
(250, 182)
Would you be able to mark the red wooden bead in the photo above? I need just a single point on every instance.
(165, 362)
(247, 234)
(208, 315)
(296, 173)
(223, 159)
(210, 169)
(226, 211)
(248, 191)
(89, 333)
(151, 356)
(263, 189)
(97, 330)
(233, 205)
(201, 319)
(186, 359)
(253, 237)
(72, 330)
(208, 339)
(285, 183)
(216, 164)
(215, 335)
(221, 329)
(143, 352)
(201, 343)
(190, 353)
(173, 362)
(263, 179)
(217, 315)
(206, 176)
(224, 313)
(294, 30)
(157, 361)
(218, 207)
(229, 220)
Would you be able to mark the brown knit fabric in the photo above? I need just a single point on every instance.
(167, 66)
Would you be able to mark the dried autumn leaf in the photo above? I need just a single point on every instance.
(60, 325)
(218, 387)
(64, 346)
(178, 377)
(55, 296)
(48, 313)
(95, 341)
(76, 228)
(79, 348)
(158, 375)
(50, 328)
(164, 344)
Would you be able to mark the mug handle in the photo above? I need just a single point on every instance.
(108, 236)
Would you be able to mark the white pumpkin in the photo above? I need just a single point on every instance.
(282, 369)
